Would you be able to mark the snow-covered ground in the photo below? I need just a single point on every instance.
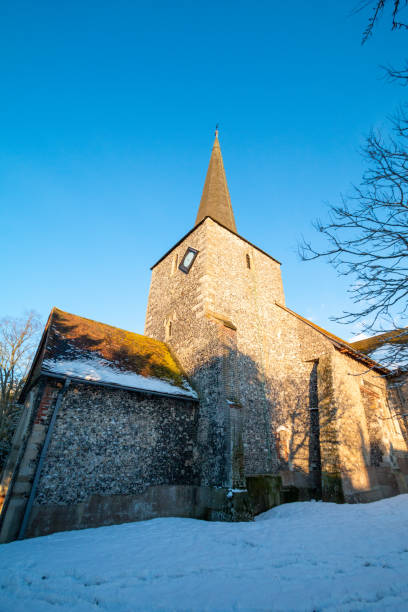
(301, 556)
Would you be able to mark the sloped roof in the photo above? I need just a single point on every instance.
(215, 200)
(341, 345)
(84, 349)
(368, 345)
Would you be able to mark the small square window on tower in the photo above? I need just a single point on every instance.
(188, 260)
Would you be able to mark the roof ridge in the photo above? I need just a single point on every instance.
(127, 331)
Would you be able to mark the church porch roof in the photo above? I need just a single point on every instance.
(89, 351)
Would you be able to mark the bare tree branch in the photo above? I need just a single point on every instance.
(378, 9)
(18, 340)
(367, 236)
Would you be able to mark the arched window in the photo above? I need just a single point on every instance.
(248, 261)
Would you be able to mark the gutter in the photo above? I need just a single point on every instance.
(44, 450)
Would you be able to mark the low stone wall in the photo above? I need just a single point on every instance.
(205, 503)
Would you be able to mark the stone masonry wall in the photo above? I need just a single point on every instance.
(275, 355)
(362, 442)
(272, 359)
(197, 343)
(398, 397)
(276, 365)
(116, 442)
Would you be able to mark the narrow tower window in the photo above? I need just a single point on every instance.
(248, 261)
(174, 264)
(168, 327)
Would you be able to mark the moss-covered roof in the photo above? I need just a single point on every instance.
(82, 348)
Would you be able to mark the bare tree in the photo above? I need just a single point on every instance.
(367, 234)
(18, 339)
(397, 23)
(400, 75)
(367, 238)
(378, 7)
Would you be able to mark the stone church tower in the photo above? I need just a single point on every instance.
(210, 300)
(282, 401)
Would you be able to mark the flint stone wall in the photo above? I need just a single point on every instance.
(117, 442)
(115, 456)
(196, 341)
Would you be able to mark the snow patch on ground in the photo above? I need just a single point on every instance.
(298, 557)
(101, 370)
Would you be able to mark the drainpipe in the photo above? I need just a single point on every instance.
(44, 450)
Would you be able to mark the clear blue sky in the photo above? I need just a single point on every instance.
(107, 115)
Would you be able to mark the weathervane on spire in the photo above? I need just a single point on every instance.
(216, 130)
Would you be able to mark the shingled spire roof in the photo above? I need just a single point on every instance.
(216, 201)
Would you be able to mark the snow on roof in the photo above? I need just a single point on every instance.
(89, 350)
(100, 370)
(369, 344)
(389, 348)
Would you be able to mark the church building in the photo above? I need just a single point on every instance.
(230, 403)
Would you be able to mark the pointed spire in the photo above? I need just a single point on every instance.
(216, 201)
